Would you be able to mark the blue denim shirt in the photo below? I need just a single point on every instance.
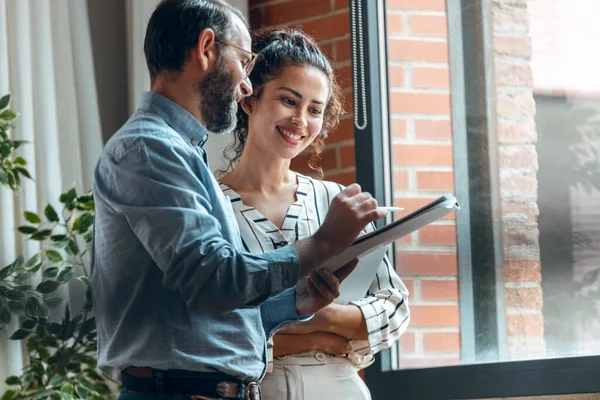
(172, 286)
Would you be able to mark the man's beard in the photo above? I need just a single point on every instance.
(218, 107)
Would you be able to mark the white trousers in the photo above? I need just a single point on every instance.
(313, 382)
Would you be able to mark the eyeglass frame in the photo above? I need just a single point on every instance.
(251, 64)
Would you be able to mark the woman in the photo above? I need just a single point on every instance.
(295, 103)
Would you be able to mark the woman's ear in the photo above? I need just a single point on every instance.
(247, 104)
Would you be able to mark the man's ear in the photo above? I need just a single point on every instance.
(206, 51)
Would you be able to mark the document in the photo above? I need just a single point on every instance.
(371, 247)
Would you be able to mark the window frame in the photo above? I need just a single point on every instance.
(479, 224)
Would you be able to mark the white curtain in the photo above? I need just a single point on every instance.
(46, 63)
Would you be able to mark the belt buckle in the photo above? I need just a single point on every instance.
(253, 391)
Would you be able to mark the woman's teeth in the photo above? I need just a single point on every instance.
(289, 134)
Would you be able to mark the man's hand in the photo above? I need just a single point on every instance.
(350, 211)
(320, 288)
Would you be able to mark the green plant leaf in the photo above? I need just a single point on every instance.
(15, 295)
(65, 275)
(84, 279)
(72, 247)
(29, 324)
(591, 276)
(57, 379)
(16, 306)
(17, 264)
(102, 388)
(13, 380)
(27, 230)
(41, 235)
(53, 302)
(23, 172)
(65, 395)
(4, 272)
(8, 115)
(68, 197)
(4, 101)
(20, 161)
(20, 334)
(34, 308)
(85, 222)
(50, 272)
(5, 315)
(51, 214)
(24, 277)
(58, 238)
(35, 268)
(32, 261)
(47, 286)
(81, 392)
(9, 395)
(54, 256)
(32, 217)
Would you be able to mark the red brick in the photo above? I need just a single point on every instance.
(417, 50)
(521, 236)
(328, 27)
(256, 17)
(441, 341)
(435, 181)
(430, 316)
(420, 103)
(516, 132)
(431, 78)
(422, 155)
(401, 180)
(345, 178)
(328, 159)
(428, 362)
(410, 204)
(395, 23)
(516, 104)
(529, 298)
(343, 132)
(300, 164)
(281, 13)
(524, 325)
(407, 342)
(424, 5)
(348, 102)
(343, 50)
(513, 75)
(426, 263)
(513, 46)
(439, 290)
(410, 286)
(434, 25)
(518, 157)
(347, 157)
(517, 184)
(344, 76)
(522, 271)
(527, 210)
(327, 49)
(398, 128)
(442, 235)
(510, 19)
(396, 76)
(341, 4)
(433, 129)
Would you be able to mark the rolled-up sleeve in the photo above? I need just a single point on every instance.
(161, 190)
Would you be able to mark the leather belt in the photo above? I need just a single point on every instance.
(196, 384)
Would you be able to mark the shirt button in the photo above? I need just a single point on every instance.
(194, 142)
(282, 243)
(320, 356)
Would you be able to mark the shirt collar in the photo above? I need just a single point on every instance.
(176, 116)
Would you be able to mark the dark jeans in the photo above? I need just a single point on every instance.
(125, 395)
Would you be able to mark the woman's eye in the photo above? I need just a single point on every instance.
(316, 111)
(288, 101)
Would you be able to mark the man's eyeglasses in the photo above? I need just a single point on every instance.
(250, 65)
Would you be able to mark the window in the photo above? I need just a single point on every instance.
(497, 102)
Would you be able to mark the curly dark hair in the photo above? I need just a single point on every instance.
(277, 49)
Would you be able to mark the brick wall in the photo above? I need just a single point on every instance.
(423, 159)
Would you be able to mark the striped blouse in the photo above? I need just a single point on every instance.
(384, 306)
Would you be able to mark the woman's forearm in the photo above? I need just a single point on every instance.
(347, 320)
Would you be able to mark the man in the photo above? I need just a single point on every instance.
(175, 296)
